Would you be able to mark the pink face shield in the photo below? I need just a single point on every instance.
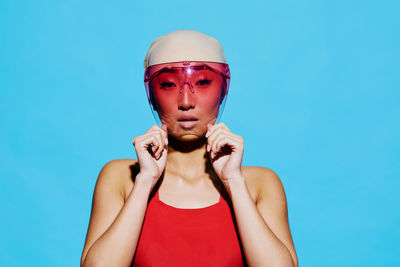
(181, 86)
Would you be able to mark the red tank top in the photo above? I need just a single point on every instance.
(177, 237)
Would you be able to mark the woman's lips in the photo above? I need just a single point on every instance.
(188, 124)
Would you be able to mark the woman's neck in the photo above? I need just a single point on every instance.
(188, 159)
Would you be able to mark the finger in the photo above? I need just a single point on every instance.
(236, 137)
(162, 136)
(164, 127)
(152, 142)
(215, 144)
(164, 132)
(215, 135)
(152, 128)
(138, 141)
(226, 141)
(213, 128)
(209, 128)
(160, 142)
(215, 132)
(157, 130)
(218, 142)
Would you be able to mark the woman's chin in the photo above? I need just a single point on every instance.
(190, 137)
(187, 137)
(186, 132)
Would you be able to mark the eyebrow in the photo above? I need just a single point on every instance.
(164, 70)
(174, 69)
(167, 70)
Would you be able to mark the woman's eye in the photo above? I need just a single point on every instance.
(203, 82)
(167, 85)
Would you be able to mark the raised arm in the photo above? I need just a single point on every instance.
(114, 226)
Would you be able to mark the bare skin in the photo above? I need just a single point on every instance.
(190, 167)
(188, 190)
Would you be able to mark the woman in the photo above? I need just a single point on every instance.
(187, 200)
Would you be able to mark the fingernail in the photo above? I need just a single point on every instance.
(208, 147)
(166, 140)
(207, 134)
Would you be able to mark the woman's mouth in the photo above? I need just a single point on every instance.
(188, 122)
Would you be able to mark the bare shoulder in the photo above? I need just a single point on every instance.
(264, 182)
(120, 173)
(108, 198)
(119, 168)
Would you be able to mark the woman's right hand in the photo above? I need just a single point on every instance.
(151, 150)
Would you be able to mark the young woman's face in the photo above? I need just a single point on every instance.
(187, 102)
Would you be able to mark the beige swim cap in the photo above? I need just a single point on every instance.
(184, 45)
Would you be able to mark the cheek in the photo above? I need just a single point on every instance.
(165, 103)
(210, 100)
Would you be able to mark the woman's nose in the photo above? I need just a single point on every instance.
(186, 97)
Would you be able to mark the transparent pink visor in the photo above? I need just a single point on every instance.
(202, 81)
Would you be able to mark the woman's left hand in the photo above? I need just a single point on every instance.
(226, 152)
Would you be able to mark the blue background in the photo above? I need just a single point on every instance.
(314, 93)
